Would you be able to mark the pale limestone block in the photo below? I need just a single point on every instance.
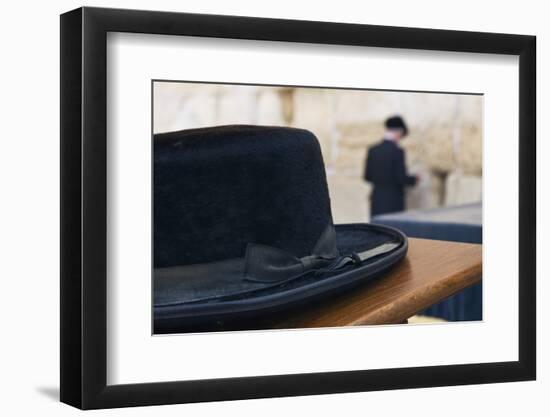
(425, 110)
(312, 110)
(470, 152)
(470, 146)
(287, 104)
(180, 105)
(438, 149)
(236, 106)
(349, 162)
(185, 112)
(471, 109)
(165, 109)
(413, 145)
(270, 108)
(363, 106)
(348, 199)
(462, 189)
(426, 193)
(360, 135)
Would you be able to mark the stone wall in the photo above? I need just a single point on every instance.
(444, 145)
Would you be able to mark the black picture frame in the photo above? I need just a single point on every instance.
(84, 197)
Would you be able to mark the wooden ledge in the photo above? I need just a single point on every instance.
(432, 271)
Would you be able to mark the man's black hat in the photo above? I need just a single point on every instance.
(397, 122)
(243, 227)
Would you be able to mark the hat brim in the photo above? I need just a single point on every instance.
(203, 297)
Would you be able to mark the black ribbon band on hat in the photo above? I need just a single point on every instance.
(267, 264)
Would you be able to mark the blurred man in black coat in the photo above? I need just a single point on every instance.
(385, 169)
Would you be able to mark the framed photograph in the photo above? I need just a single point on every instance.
(257, 207)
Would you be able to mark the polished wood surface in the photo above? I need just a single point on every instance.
(432, 270)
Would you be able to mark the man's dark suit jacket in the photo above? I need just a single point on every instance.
(385, 169)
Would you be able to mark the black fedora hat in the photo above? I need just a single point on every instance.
(243, 227)
(397, 122)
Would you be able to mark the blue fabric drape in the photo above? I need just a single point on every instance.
(459, 224)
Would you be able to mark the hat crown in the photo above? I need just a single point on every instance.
(218, 189)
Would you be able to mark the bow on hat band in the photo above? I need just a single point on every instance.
(267, 264)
